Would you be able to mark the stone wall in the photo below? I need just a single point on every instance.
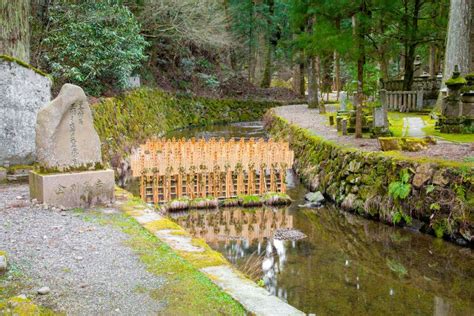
(23, 91)
(440, 197)
(130, 119)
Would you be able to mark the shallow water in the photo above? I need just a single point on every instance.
(346, 265)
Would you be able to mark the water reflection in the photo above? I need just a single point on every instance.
(346, 265)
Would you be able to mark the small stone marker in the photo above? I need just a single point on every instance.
(331, 120)
(380, 119)
(65, 134)
(344, 127)
(343, 100)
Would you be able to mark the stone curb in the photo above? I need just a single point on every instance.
(254, 299)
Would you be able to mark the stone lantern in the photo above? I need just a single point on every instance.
(457, 116)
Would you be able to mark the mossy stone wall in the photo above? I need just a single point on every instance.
(125, 121)
(440, 193)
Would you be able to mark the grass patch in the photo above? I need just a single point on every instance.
(187, 290)
(13, 284)
(207, 258)
(162, 224)
(396, 127)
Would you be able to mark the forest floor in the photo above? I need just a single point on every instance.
(97, 262)
(319, 125)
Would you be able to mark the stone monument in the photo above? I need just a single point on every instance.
(68, 149)
(457, 110)
(23, 90)
(343, 98)
(380, 124)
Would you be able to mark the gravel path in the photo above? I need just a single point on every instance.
(319, 125)
(87, 267)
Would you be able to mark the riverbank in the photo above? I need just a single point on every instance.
(433, 195)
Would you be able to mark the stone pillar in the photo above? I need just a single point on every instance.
(344, 127)
(343, 98)
(419, 100)
(383, 97)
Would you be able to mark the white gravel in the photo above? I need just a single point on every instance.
(86, 266)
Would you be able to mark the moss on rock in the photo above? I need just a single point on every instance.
(23, 64)
(127, 120)
(361, 180)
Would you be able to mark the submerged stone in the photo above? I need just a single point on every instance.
(315, 197)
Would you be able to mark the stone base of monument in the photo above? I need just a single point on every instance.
(73, 189)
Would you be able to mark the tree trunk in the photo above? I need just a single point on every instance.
(313, 86)
(337, 66)
(384, 67)
(360, 31)
(295, 83)
(302, 85)
(271, 42)
(411, 29)
(337, 74)
(432, 61)
(458, 42)
(267, 72)
(15, 30)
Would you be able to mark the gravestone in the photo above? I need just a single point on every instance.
(343, 99)
(380, 123)
(68, 149)
(23, 90)
(344, 127)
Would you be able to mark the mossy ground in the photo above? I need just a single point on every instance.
(396, 127)
(13, 284)
(187, 290)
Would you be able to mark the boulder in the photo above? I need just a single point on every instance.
(389, 143)
(314, 197)
(422, 175)
(439, 178)
(65, 134)
(348, 203)
(414, 144)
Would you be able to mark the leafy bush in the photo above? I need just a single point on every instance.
(93, 44)
(400, 190)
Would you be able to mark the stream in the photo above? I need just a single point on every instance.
(347, 265)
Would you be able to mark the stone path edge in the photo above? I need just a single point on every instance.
(253, 298)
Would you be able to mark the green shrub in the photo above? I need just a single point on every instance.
(93, 44)
(400, 190)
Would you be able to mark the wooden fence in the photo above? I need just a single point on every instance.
(171, 169)
(403, 101)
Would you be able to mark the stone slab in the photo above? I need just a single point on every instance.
(23, 92)
(74, 189)
(253, 298)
